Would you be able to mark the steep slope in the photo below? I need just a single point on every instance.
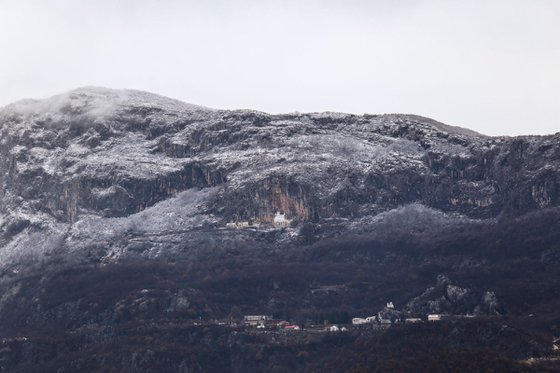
(94, 158)
(121, 209)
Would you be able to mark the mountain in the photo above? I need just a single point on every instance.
(125, 215)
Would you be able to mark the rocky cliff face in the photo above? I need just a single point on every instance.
(105, 156)
(127, 218)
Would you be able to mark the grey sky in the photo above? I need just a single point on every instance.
(489, 65)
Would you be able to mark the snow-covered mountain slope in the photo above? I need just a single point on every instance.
(98, 173)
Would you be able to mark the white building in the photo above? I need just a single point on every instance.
(238, 224)
(359, 321)
(390, 305)
(412, 320)
(255, 320)
(434, 317)
(280, 220)
(334, 328)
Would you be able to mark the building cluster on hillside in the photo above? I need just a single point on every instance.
(256, 320)
(265, 321)
(278, 221)
(389, 315)
(335, 328)
(239, 224)
(383, 319)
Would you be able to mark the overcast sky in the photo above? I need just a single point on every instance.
(489, 65)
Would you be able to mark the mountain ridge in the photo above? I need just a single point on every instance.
(150, 98)
(127, 218)
(110, 154)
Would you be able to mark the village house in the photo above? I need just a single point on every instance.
(291, 327)
(362, 321)
(434, 317)
(412, 320)
(333, 328)
(255, 320)
(358, 321)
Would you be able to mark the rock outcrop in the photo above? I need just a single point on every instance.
(103, 154)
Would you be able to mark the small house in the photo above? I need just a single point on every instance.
(359, 321)
(238, 224)
(255, 320)
(412, 320)
(280, 220)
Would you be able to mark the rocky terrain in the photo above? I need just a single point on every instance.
(123, 207)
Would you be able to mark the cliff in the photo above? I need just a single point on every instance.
(121, 209)
(99, 154)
